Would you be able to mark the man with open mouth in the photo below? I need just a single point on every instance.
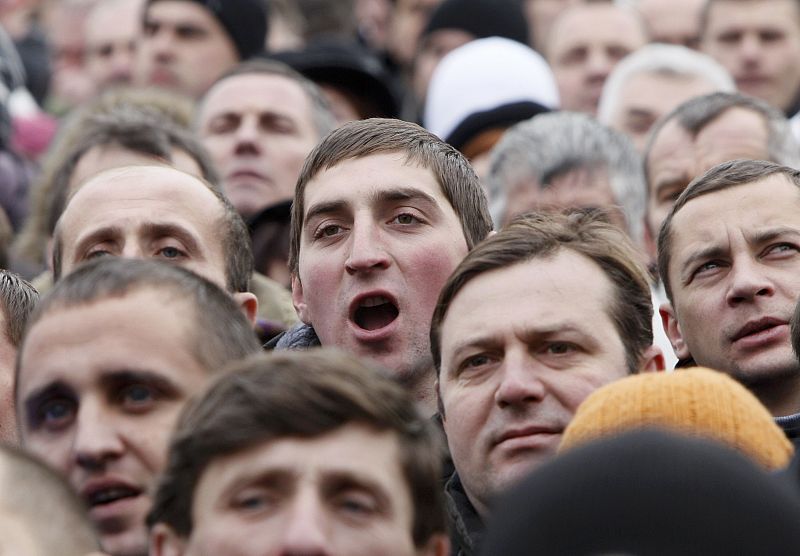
(110, 358)
(383, 212)
(729, 258)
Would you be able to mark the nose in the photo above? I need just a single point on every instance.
(97, 440)
(305, 532)
(367, 249)
(520, 383)
(750, 47)
(748, 281)
(247, 135)
(132, 250)
(161, 45)
(598, 64)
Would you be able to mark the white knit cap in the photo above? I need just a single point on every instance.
(482, 75)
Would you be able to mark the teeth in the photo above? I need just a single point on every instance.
(373, 301)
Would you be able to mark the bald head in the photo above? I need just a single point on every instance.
(155, 212)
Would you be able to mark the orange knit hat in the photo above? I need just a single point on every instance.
(696, 401)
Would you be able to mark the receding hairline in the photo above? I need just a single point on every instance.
(133, 172)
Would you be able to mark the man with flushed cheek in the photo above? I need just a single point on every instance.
(535, 319)
(383, 212)
(110, 357)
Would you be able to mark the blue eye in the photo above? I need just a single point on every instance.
(137, 396)
(56, 413)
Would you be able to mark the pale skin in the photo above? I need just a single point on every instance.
(740, 271)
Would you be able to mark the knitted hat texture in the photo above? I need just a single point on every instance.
(696, 401)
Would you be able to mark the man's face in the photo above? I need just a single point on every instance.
(586, 43)
(259, 129)
(405, 26)
(183, 47)
(521, 347)
(758, 42)
(672, 21)
(112, 31)
(145, 212)
(540, 15)
(646, 97)
(676, 158)
(100, 387)
(342, 493)
(582, 188)
(739, 270)
(432, 49)
(379, 240)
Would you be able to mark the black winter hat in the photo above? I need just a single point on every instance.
(245, 21)
(648, 493)
(482, 18)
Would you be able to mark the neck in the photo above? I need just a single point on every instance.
(780, 397)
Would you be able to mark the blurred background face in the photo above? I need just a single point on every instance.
(587, 41)
(183, 47)
(258, 129)
(112, 31)
(758, 42)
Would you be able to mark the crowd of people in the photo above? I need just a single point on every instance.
(399, 277)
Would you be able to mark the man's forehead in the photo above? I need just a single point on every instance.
(329, 184)
(150, 183)
(772, 201)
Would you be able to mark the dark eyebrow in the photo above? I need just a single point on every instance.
(327, 207)
(402, 194)
(708, 253)
(764, 236)
(113, 379)
(104, 234)
(46, 391)
(157, 230)
(334, 482)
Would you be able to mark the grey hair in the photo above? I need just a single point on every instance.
(550, 143)
(662, 59)
(694, 114)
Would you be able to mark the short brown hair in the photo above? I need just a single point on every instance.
(588, 233)
(363, 138)
(234, 238)
(304, 394)
(218, 330)
(720, 177)
(17, 300)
